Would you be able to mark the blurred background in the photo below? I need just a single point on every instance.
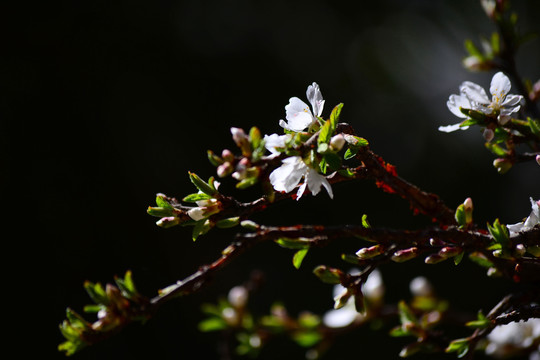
(109, 103)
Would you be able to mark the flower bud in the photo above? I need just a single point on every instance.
(224, 169)
(538, 159)
(488, 134)
(520, 250)
(238, 296)
(337, 142)
(420, 286)
(502, 165)
(369, 252)
(168, 222)
(404, 255)
(227, 155)
(449, 251)
(489, 7)
(434, 259)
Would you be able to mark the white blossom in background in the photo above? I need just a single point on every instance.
(373, 289)
(504, 340)
(286, 177)
(420, 286)
(529, 223)
(473, 97)
(298, 114)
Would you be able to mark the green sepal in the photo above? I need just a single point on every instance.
(299, 257)
(467, 122)
(196, 197)
(202, 185)
(479, 116)
(228, 223)
(328, 275)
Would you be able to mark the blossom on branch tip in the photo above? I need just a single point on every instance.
(298, 114)
(275, 142)
(473, 97)
(529, 223)
(286, 177)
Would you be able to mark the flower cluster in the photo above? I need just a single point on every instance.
(472, 96)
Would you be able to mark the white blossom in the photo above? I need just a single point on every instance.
(509, 338)
(298, 114)
(420, 286)
(529, 223)
(286, 177)
(373, 289)
(473, 97)
(274, 142)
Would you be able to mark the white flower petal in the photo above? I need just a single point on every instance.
(373, 288)
(340, 318)
(512, 100)
(315, 180)
(455, 102)
(301, 191)
(315, 98)
(500, 86)
(451, 128)
(298, 115)
(287, 176)
(474, 92)
(274, 141)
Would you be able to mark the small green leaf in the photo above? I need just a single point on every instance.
(333, 160)
(213, 158)
(299, 257)
(293, 243)
(400, 331)
(334, 116)
(307, 338)
(96, 292)
(459, 346)
(160, 211)
(472, 49)
(161, 202)
(196, 197)
(202, 185)
(201, 227)
(325, 133)
(365, 223)
(500, 233)
(255, 137)
(496, 149)
(480, 259)
(406, 315)
(458, 258)
(535, 126)
(478, 324)
(350, 153)
(248, 182)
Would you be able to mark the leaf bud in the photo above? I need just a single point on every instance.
(434, 259)
(449, 251)
(404, 255)
(337, 142)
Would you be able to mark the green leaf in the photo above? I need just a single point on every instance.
(307, 338)
(160, 211)
(255, 137)
(161, 202)
(93, 308)
(201, 227)
(248, 182)
(350, 153)
(478, 324)
(496, 149)
(96, 292)
(460, 216)
(472, 49)
(535, 126)
(202, 185)
(334, 116)
(299, 257)
(213, 158)
(500, 233)
(333, 160)
(293, 243)
(400, 331)
(212, 324)
(406, 316)
(196, 197)
(480, 259)
(458, 258)
(365, 223)
(325, 133)
(459, 346)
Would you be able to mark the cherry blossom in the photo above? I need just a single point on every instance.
(298, 114)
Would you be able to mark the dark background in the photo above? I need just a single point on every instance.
(109, 103)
